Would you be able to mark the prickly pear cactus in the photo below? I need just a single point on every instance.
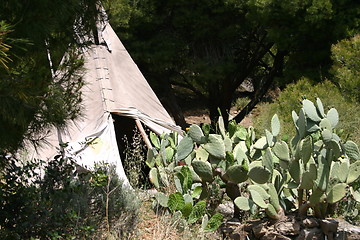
(319, 162)
(314, 169)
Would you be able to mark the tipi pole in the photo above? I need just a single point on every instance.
(143, 133)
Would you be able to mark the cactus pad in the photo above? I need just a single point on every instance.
(261, 143)
(281, 150)
(323, 173)
(310, 110)
(215, 146)
(236, 174)
(325, 124)
(320, 108)
(271, 212)
(275, 125)
(260, 190)
(267, 159)
(155, 140)
(355, 194)
(295, 118)
(295, 170)
(221, 126)
(352, 151)
(239, 154)
(354, 172)
(197, 134)
(306, 149)
(150, 158)
(274, 199)
(311, 126)
(169, 152)
(335, 147)
(163, 176)
(315, 197)
(194, 176)
(243, 203)
(162, 199)
(326, 135)
(259, 174)
(270, 139)
(201, 154)
(257, 198)
(335, 172)
(184, 148)
(203, 169)
(336, 193)
(333, 117)
(307, 180)
(154, 177)
(301, 123)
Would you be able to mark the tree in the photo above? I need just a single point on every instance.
(4, 48)
(346, 69)
(212, 47)
(31, 98)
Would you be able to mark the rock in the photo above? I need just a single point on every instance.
(238, 235)
(274, 236)
(309, 223)
(226, 209)
(329, 227)
(347, 231)
(259, 230)
(288, 228)
(235, 236)
(248, 226)
(234, 232)
(227, 230)
(310, 234)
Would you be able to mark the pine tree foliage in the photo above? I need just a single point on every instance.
(32, 99)
(4, 48)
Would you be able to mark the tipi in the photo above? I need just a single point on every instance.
(113, 85)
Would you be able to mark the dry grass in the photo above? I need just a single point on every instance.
(153, 226)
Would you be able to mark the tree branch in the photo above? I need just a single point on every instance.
(261, 91)
(189, 86)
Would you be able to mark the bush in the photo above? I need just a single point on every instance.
(134, 161)
(346, 68)
(63, 204)
(240, 103)
(290, 99)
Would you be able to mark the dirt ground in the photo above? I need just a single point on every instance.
(198, 116)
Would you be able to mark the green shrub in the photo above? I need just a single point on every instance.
(346, 68)
(240, 103)
(290, 99)
(63, 204)
(134, 161)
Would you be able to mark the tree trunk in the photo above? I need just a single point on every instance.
(227, 94)
(171, 105)
(220, 98)
(214, 100)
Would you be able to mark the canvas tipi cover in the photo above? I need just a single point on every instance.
(113, 84)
